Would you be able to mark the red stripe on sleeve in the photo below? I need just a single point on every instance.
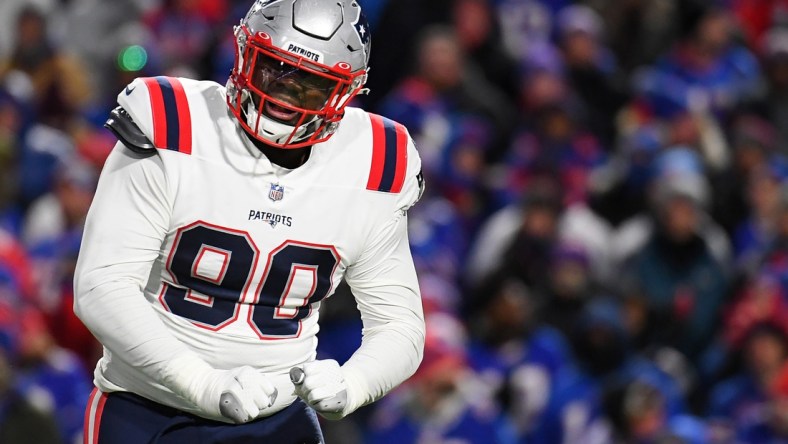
(184, 117)
(157, 112)
(402, 158)
(378, 152)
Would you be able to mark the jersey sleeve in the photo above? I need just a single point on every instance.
(124, 231)
(384, 283)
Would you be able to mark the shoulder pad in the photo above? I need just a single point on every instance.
(124, 128)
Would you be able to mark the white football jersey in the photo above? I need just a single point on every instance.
(235, 254)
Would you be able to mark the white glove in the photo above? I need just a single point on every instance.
(322, 386)
(240, 394)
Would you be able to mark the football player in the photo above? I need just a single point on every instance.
(225, 216)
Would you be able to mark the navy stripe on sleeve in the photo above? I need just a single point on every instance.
(171, 112)
(390, 163)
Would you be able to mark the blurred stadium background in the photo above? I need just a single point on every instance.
(602, 247)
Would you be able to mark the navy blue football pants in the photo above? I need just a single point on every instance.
(125, 418)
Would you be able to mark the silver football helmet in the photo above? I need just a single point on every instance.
(297, 65)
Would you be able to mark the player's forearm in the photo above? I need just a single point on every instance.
(389, 354)
(117, 313)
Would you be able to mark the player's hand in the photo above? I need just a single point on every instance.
(240, 394)
(322, 386)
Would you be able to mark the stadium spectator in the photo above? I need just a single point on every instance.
(443, 89)
(439, 238)
(706, 71)
(639, 31)
(10, 128)
(764, 202)
(764, 350)
(753, 145)
(21, 421)
(639, 412)
(478, 33)
(444, 401)
(771, 259)
(15, 270)
(522, 247)
(58, 82)
(182, 32)
(64, 209)
(591, 69)
(604, 360)
(770, 424)
(571, 285)
(772, 103)
(51, 373)
(677, 258)
(397, 36)
(515, 354)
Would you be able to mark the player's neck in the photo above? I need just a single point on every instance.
(290, 158)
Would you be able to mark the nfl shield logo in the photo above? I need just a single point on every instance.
(277, 192)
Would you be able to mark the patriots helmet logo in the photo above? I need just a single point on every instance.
(277, 192)
(362, 28)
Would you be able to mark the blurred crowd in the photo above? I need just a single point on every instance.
(602, 247)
